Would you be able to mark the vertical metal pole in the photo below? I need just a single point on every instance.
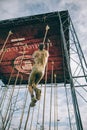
(66, 88)
(74, 98)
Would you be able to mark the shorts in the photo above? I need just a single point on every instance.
(35, 77)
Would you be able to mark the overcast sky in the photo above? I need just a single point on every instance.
(77, 10)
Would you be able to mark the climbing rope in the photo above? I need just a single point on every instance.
(55, 103)
(38, 111)
(6, 89)
(14, 104)
(23, 108)
(28, 113)
(51, 95)
(3, 50)
(9, 104)
(47, 28)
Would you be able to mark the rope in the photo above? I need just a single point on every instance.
(12, 112)
(32, 119)
(51, 96)
(4, 95)
(3, 48)
(27, 118)
(9, 105)
(47, 27)
(56, 98)
(38, 111)
(55, 104)
(24, 105)
(6, 90)
(3, 100)
(2, 120)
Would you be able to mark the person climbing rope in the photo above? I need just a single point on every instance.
(40, 58)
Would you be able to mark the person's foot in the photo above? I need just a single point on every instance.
(38, 93)
(33, 101)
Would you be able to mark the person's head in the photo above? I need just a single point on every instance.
(41, 46)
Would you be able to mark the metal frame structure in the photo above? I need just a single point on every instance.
(36, 118)
(79, 70)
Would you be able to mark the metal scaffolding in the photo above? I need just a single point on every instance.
(77, 71)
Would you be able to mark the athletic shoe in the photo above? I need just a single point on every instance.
(33, 101)
(38, 93)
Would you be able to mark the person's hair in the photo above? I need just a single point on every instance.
(41, 46)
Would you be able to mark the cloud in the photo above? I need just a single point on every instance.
(78, 12)
(20, 8)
